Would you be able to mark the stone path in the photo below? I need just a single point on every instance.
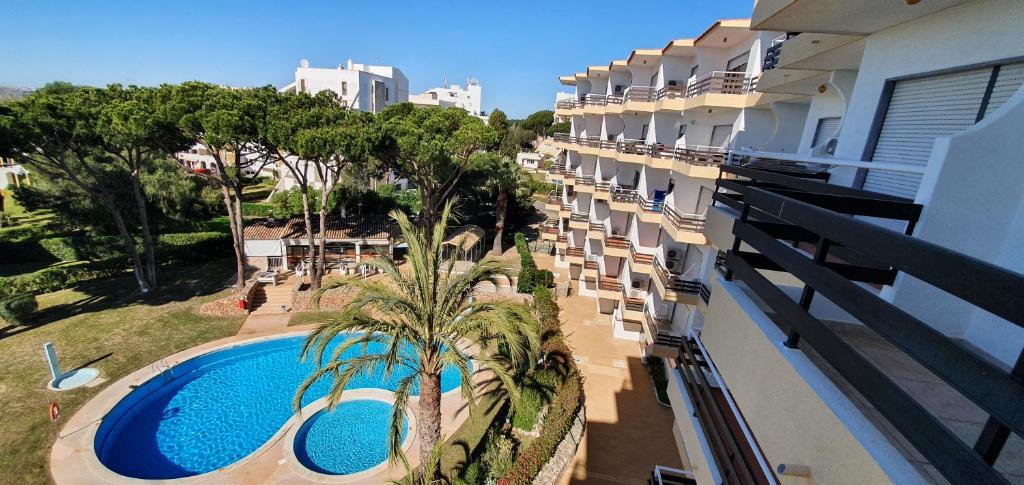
(257, 323)
(628, 431)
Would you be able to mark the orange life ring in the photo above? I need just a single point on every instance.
(54, 411)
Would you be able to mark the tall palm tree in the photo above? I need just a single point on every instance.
(503, 178)
(427, 318)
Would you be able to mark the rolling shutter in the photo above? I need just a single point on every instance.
(827, 128)
(720, 136)
(922, 109)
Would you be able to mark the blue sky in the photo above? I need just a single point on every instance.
(516, 49)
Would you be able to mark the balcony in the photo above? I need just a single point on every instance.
(650, 210)
(553, 202)
(631, 151)
(590, 268)
(639, 262)
(617, 246)
(683, 227)
(633, 304)
(675, 287)
(671, 96)
(639, 98)
(722, 82)
(661, 341)
(609, 288)
(585, 184)
(959, 415)
(623, 198)
(595, 230)
(579, 220)
(602, 189)
(549, 231)
(574, 255)
(561, 242)
(556, 172)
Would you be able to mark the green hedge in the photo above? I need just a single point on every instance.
(253, 209)
(62, 248)
(60, 277)
(192, 247)
(567, 396)
(17, 310)
(527, 267)
(21, 233)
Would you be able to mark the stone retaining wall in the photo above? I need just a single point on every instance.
(566, 451)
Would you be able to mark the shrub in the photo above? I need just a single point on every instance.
(657, 369)
(60, 277)
(527, 267)
(252, 209)
(473, 475)
(17, 310)
(525, 416)
(192, 247)
(21, 233)
(62, 248)
(543, 278)
(499, 455)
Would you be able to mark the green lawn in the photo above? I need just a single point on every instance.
(312, 317)
(105, 325)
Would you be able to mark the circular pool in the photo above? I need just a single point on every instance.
(213, 410)
(350, 439)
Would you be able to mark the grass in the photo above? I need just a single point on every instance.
(103, 324)
(468, 437)
(14, 269)
(312, 317)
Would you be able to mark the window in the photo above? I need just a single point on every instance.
(643, 132)
(344, 88)
(738, 63)
(302, 85)
(387, 94)
(654, 80)
(693, 70)
(682, 131)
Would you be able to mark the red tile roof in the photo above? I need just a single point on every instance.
(371, 226)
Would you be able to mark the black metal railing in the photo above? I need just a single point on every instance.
(660, 334)
(774, 51)
(631, 147)
(648, 205)
(705, 293)
(623, 195)
(684, 222)
(805, 228)
(640, 94)
(676, 282)
(580, 217)
(566, 104)
(638, 257)
(585, 180)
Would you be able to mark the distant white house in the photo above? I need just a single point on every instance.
(529, 160)
(361, 86)
(12, 174)
(468, 98)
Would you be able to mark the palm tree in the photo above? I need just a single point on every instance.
(502, 177)
(427, 318)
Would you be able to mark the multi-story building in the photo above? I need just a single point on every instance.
(12, 174)
(469, 98)
(361, 87)
(813, 216)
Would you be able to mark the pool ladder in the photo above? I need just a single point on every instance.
(164, 369)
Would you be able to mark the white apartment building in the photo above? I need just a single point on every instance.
(12, 175)
(362, 87)
(469, 98)
(814, 217)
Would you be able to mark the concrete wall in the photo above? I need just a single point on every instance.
(796, 412)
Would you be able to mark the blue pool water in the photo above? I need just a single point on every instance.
(350, 439)
(214, 409)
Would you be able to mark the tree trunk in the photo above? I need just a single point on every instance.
(242, 261)
(499, 220)
(129, 246)
(235, 237)
(428, 216)
(309, 239)
(318, 276)
(429, 418)
(147, 238)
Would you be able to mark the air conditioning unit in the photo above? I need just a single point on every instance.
(673, 82)
(825, 150)
(637, 294)
(619, 88)
(673, 265)
(636, 284)
(672, 254)
(616, 231)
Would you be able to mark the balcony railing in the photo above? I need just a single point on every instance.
(580, 217)
(638, 257)
(647, 205)
(556, 169)
(672, 92)
(782, 216)
(662, 330)
(585, 180)
(630, 302)
(771, 56)
(602, 186)
(590, 264)
(617, 242)
(623, 195)
(562, 239)
(608, 145)
(691, 154)
(722, 82)
(564, 137)
(684, 222)
(575, 252)
(641, 94)
(590, 141)
(609, 284)
(631, 147)
(676, 282)
(597, 226)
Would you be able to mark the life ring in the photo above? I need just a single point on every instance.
(54, 411)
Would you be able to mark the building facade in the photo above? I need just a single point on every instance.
(812, 217)
(469, 98)
(12, 175)
(361, 87)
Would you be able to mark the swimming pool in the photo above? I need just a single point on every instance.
(215, 409)
(350, 439)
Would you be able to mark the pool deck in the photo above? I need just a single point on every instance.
(73, 458)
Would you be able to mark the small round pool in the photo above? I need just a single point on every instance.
(350, 439)
(215, 409)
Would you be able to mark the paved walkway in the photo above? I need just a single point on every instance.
(257, 323)
(628, 431)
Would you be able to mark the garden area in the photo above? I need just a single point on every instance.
(105, 324)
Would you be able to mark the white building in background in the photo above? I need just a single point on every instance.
(469, 98)
(12, 174)
(814, 217)
(361, 86)
(529, 160)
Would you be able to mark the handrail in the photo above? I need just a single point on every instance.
(753, 156)
(640, 93)
(574, 252)
(647, 205)
(585, 179)
(676, 282)
(618, 242)
(671, 92)
(579, 217)
(722, 82)
(638, 257)
(683, 221)
(634, 147)
(623, 195)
